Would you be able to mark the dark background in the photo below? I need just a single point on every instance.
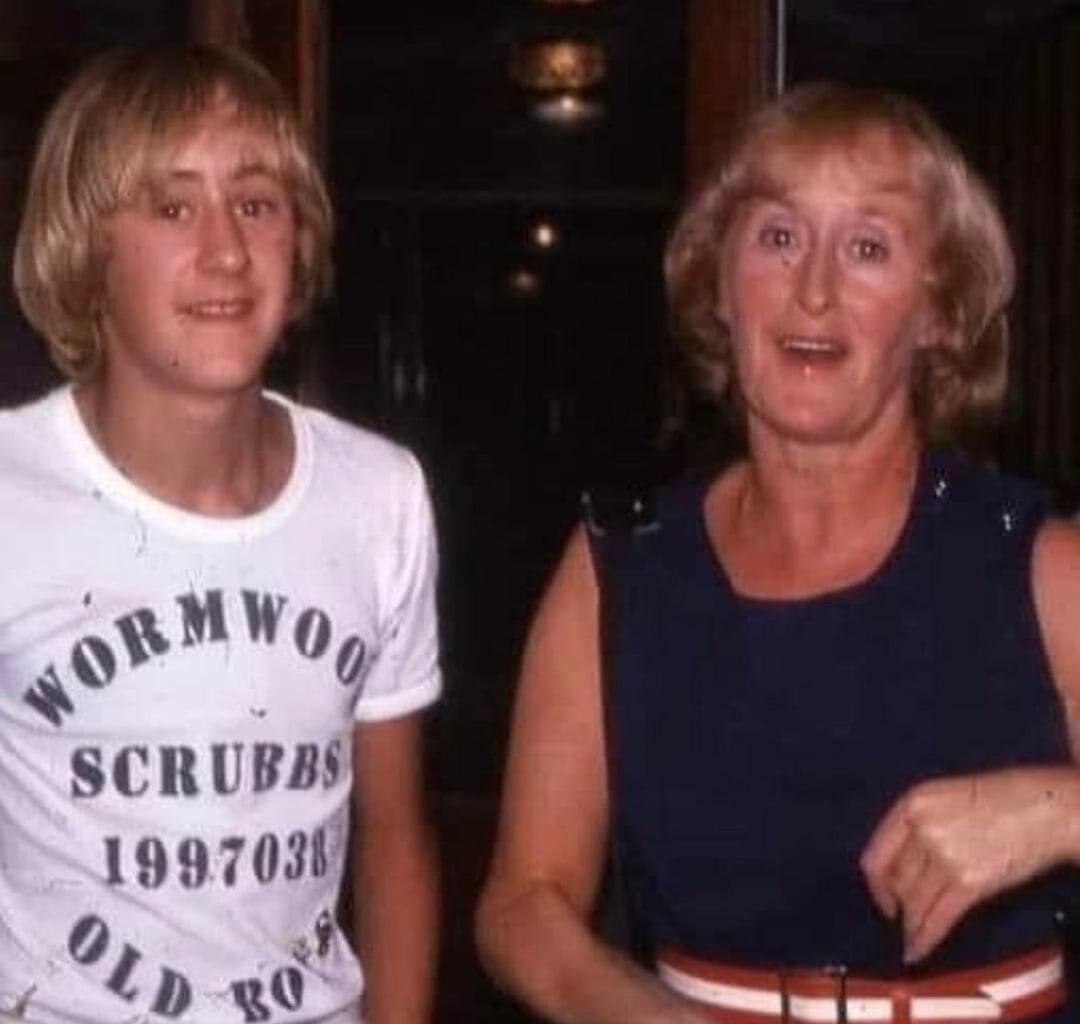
(517, 399)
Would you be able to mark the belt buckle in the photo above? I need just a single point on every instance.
(839, 973)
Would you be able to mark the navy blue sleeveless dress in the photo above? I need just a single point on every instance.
(755, 744)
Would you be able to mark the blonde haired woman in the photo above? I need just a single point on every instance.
(842, 675)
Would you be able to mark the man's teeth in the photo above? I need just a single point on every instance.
(224, 308)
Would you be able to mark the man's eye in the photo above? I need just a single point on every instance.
(257, 207)
(870, 250)
(172, 210)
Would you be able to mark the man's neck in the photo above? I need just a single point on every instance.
(224, 456)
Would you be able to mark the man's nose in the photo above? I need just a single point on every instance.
(222, 243)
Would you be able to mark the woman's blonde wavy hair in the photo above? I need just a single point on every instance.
(96, 144)
(959, 383)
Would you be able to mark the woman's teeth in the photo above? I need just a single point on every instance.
(815, 349)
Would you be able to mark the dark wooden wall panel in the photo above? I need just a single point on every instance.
(1027, 137)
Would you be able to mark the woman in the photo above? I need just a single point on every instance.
(843, 682)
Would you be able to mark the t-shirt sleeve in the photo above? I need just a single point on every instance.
(405, 675)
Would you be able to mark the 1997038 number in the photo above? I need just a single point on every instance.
(149, 863)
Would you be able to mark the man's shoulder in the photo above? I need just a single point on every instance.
(36, 408)
(358, 458)
(28, 429)
(339, 438)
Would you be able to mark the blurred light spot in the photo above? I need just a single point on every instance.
(524, 282)
(567, 109)
(544, 235)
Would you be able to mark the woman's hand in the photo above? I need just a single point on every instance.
(950, 844)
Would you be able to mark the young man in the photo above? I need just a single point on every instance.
(217, 624)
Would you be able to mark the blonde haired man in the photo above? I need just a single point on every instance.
(219, 621)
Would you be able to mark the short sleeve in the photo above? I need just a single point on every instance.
(404, 675)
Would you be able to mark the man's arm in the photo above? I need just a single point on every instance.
(394, 873)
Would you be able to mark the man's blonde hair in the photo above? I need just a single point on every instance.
(97, 143)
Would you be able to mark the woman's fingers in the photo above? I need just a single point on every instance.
(879, 855)
(951, 903)
(906, 873)
(904, 877)
(949, 844)
(924, 904)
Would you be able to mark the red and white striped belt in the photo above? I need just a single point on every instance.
(1011, 990)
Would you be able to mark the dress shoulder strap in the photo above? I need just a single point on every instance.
(615, 520)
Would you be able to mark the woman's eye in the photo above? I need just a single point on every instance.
(870, 250)
(776, 237)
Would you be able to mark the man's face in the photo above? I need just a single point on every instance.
(198, 265)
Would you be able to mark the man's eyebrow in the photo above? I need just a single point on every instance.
(254, 169)
(242, 171)
(156, 177)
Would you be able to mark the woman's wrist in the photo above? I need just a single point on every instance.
(1061, 796)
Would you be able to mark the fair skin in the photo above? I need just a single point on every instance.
(197, 285)
(198, 270)
(394, 873)
(822, 284)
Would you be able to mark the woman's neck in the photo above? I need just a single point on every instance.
(791, 522)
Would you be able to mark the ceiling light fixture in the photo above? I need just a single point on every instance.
(560, 74)
(558, 66)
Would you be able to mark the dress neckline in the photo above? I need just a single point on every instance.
(876, 577)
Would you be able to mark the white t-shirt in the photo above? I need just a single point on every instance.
(177, 696)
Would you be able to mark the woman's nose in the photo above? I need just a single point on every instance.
(223, 245)
(816, 279)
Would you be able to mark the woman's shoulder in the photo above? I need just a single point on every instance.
(1057, 562)
(1056, 586)
(982, 495)
(633, 510)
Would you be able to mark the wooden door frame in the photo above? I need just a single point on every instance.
(288, 36)
(734, 63)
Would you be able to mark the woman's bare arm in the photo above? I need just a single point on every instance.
(532, 921)
(950, 844)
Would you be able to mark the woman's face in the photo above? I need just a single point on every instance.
(823, 286)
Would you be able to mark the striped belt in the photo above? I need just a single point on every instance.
(1012, 990)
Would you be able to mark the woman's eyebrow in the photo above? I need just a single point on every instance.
(768, 190)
